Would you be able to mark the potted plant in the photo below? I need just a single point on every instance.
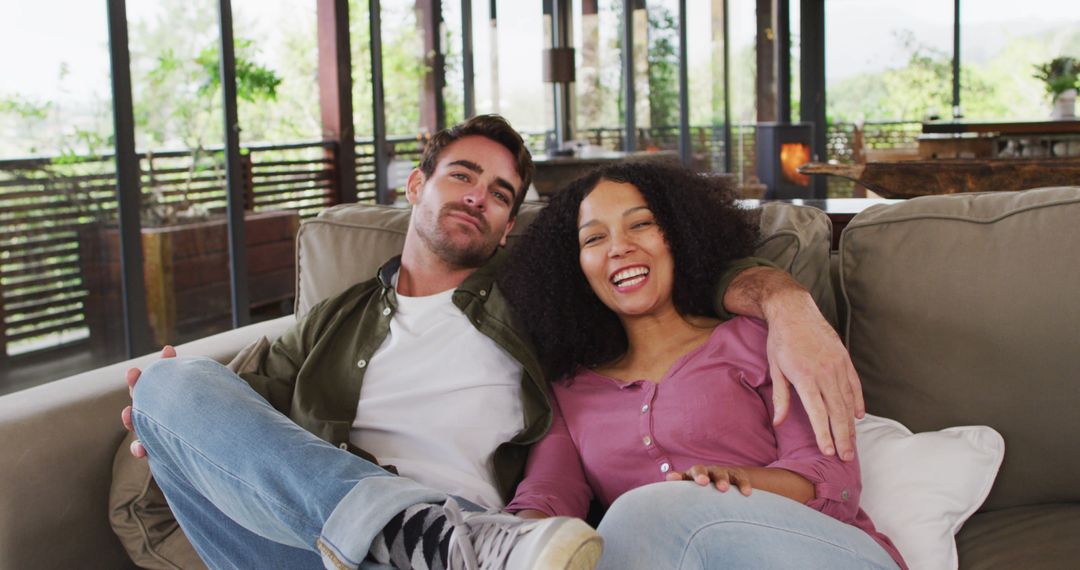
(67, 202)
(1061, 77)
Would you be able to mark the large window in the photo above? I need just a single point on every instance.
(454, 90)
(60, 282)
(56, 194)
(888, 61)
(743, 99)
(277, 43)
(656, 38)
(705, 55)
(404, 66)
(522, 96)
(1000, 45)
(894, 61)
(597, 40)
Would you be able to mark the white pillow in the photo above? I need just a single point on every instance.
(920, 488)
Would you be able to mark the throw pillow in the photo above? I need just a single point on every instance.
(920, 488)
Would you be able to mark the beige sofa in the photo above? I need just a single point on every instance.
(964, 310)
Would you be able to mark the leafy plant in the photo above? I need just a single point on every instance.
(192, 109)
(1059, 74)
(254, 82)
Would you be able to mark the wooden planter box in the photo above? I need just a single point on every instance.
(186, 272)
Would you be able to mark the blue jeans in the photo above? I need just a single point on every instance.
(683, 526)
(252, 489)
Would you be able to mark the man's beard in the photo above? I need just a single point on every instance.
(470, 255)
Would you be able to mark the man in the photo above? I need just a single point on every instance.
(423, 368)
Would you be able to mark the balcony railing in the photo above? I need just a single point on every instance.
(44, 202)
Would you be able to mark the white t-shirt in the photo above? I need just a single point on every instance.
(438, 397)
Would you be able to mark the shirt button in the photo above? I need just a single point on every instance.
(386, 311)
(844, 495)
(646, 440)
(483, 293)
(343, 445)
(361, 363)
(644, 408)
(664, 467)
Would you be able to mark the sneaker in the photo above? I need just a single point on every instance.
(499, 541)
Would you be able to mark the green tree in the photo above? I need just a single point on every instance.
(402, 64)
(20, 119)
(663, 67)
(923, 86)
(997, 89)
(176, 83)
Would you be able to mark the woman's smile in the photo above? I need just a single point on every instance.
(630, 278)
(624, 255)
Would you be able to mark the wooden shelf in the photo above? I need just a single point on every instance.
(1003, 128)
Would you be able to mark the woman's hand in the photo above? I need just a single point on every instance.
(532, 514)
(723, 476)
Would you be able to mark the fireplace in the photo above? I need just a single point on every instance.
(781, 149)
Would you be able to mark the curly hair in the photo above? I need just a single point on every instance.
(701, 224)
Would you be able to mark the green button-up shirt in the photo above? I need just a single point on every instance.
(314, 372)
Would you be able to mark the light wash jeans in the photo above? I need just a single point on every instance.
(252, 489)
(683, 526)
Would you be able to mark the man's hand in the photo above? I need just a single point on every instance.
(804, 351)
(132, 378)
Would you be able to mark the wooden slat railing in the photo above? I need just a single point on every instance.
(45, 201)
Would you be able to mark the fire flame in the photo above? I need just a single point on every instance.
(792, 156)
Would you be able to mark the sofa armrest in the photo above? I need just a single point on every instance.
(57, 443)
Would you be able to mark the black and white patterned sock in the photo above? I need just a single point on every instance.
(417, 538)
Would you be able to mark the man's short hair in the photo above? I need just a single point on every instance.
(492, 127)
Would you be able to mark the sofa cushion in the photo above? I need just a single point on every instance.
(1043, 536)
(347, 244)
(798, 239)
(963, 310)
(920, 488)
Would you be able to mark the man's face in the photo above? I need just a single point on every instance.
(461, 212)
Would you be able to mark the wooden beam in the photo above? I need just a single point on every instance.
(335, 93)
(782, 58)
(432, 103)
(766, 62)
(722, 87)
(812, 83)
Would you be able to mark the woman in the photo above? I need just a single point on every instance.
(618, 273)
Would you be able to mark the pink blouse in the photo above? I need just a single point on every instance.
(713, 407)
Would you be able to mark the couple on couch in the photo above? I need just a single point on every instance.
(426, 373)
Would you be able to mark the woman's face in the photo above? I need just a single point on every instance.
(623, 252)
